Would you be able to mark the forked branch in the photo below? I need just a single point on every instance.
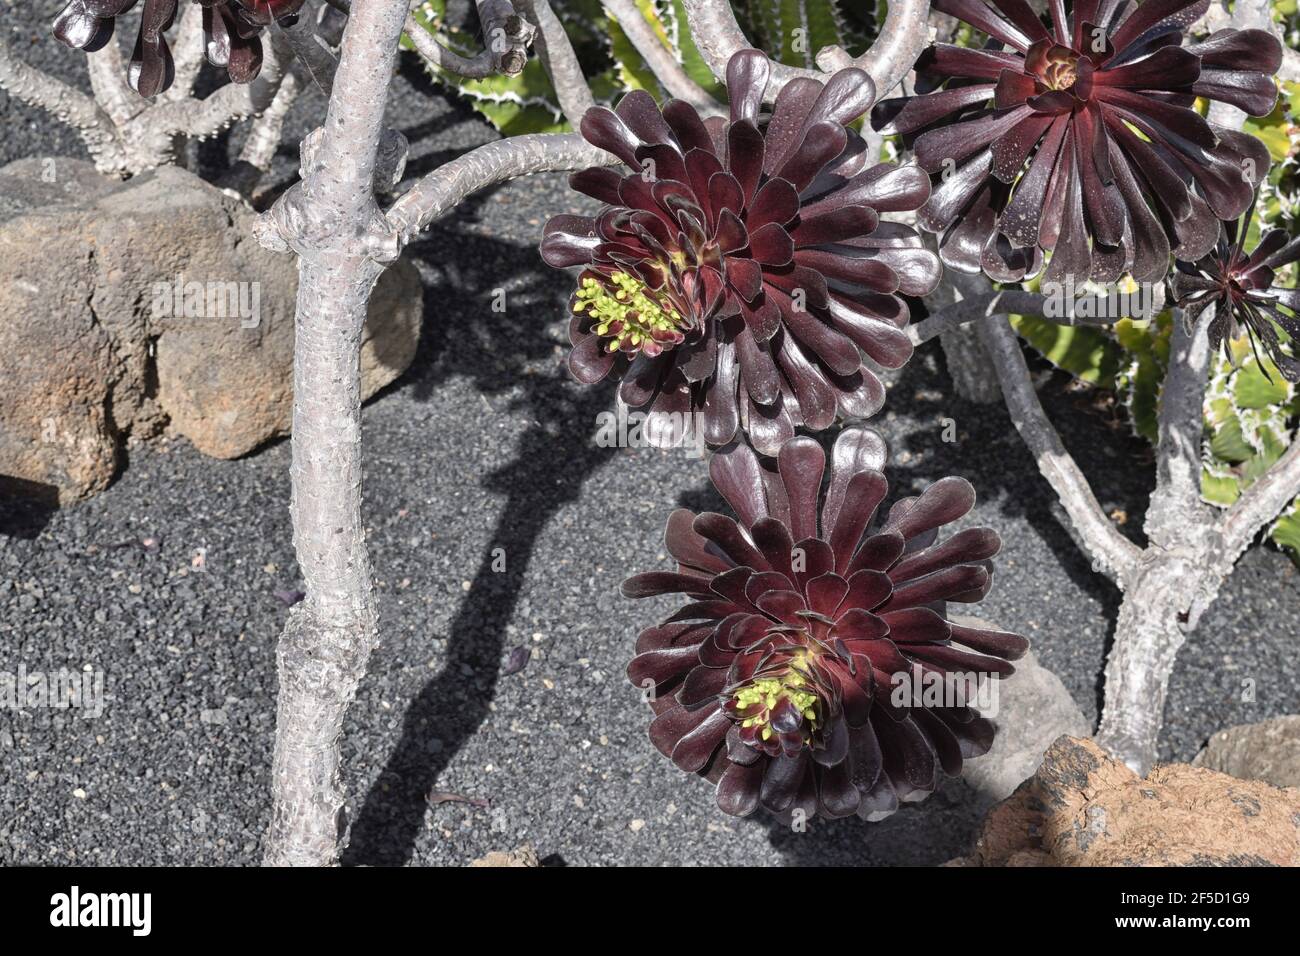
(902, 37)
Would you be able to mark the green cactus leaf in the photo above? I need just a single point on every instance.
(668, 20)
(1286, 533)
(1272, 130)
(764, 18)
(1229, 444)
(1143, 400)
(583, 20)
(1252, 388)
(825, 25)
(1220, 490)
(793, 31)
(1086, 353)
(1291, 91)
(693, 62)
(1146, 348)
(525, 103)
(633, 72)
(1271, 445)
(790, 36)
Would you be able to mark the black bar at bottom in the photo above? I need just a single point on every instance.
(214, 906)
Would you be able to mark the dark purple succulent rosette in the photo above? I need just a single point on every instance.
(777, 680)
(230, 35)
(1241, 288)
(1078, 137)
(741, 268)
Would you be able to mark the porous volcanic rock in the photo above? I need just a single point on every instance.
(96, 345)
(524, 856)
(1084, 808)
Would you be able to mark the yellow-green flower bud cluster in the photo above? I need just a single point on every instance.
(628, 313)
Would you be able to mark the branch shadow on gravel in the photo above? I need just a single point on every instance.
(458, 341)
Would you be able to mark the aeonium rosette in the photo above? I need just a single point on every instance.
(1078, 136)
(741, 268)
(779, 679)
(1245, 290)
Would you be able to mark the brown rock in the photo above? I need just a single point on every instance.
(63, 380)
(523, 856)
(93, 346)
(1083, 808)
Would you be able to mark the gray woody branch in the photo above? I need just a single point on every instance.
(492, 163)
(69, 106)
(438, 54)
(558, 59)
(126, 134)
(188, 54)
(997, 302)
(902, 37)
(506, 35)
(343, 240)
(1190, 554)
(331, 220)
(1091, 529)
(1262, 502)
(1168, 585)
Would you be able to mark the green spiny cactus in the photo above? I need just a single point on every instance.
(525, 103)
(1146, 358)
(792, 31)
(1248, 412)
(668, 20)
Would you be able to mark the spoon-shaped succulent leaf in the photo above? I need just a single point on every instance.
(230, 35)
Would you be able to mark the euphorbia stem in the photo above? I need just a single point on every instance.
(334, 225)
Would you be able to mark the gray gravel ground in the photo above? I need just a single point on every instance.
(485, 445)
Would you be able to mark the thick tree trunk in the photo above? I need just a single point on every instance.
(1148, 636)
(343, 240)
(327, 641)
(1178, 575)
(973, 376)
